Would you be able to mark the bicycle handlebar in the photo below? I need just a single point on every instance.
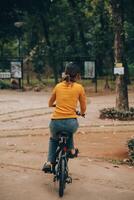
(79, 114)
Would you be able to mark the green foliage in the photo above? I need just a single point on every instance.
(129, 27)
(38, 63)
(4, 85)
(62, 29)
(112, 113)
(131, 71)
(131, 144)
(131, 150)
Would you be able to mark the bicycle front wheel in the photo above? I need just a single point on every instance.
(62, 177)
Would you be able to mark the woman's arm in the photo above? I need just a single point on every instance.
(82, 100)
(52, 98)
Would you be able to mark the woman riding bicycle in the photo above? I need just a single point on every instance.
(65, 96)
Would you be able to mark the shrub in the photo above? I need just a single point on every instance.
(4, 85)
(131, 150)
(112, 113)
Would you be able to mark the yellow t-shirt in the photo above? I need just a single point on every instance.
(66, 96)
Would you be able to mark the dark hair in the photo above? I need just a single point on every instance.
(71, 71)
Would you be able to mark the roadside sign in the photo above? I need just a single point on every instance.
(5, 75)
(89, 69)
(16, 69)
(119, 69)
(118, 65)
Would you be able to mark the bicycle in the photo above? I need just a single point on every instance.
(60, 167)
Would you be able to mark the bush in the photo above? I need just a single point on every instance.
(4, 85)
(112, 113)
(131, 150)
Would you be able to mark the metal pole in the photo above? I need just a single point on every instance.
(19, 25)
(95, 79)
(19, 54)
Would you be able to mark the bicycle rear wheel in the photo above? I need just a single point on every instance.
(62, 177)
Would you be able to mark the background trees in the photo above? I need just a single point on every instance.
(54, 30)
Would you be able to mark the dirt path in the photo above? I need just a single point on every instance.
(24, 119)
(91, 180)
(22, 158)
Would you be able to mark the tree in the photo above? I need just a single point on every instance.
(121, 84)
(65, 28)
(7, 29)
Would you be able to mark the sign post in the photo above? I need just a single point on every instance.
(90, 71)
(16, 71)
(119, 69)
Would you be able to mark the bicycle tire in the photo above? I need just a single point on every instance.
(62, 177)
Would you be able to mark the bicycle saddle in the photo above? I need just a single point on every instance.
(63, 133)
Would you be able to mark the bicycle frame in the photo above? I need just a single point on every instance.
(61, 153)
(60, 166)
(61, 157)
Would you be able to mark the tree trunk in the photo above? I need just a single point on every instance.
(106, 86)
(28, 73)
(121, 84)
(121, 94)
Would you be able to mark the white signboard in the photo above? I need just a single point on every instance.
(89, 69)
(16, 71)
(119, 70)
(4, 75)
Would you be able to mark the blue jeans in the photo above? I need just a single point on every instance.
(57, 125)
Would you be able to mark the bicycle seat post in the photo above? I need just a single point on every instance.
(63, 136)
